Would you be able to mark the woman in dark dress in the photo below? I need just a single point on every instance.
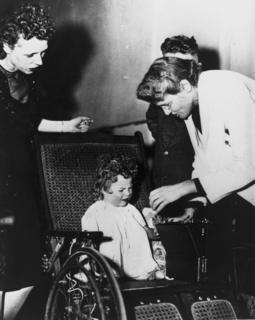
(23, 41)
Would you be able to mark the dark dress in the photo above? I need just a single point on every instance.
(20, 245)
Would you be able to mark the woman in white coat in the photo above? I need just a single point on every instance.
(219, 110)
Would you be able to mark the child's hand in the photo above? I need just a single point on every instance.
(149, 214)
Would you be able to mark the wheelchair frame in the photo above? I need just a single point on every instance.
(85, 286)
(61, 168)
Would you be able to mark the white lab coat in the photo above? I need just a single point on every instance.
(225, 151)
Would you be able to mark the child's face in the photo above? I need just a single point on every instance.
(119, 192)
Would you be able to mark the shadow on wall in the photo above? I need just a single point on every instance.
(210, 58)
(69, 53)
(7, 6)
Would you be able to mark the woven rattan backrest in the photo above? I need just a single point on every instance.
(67, 165)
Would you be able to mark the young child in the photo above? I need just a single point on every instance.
(112, 214)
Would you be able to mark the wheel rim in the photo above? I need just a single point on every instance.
(86, 274)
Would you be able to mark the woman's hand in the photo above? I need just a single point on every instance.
(162, 196)
(78, 124)
(187, 216)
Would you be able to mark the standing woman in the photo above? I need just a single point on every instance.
(24, 39)
(218, 107)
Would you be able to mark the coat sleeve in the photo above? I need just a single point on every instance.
(236, 172)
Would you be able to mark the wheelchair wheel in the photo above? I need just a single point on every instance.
(85, 289)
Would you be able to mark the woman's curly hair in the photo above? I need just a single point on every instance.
(29, 20)
(109, 167)
(164, 76)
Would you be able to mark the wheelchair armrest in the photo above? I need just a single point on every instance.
(64, 240)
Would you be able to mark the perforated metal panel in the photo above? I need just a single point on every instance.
(157, 311)
(68, 171)
(213, 310)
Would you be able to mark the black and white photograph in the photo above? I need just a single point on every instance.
(127, 160)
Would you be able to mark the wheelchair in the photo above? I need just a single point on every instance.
(85, 287)
(84, 283)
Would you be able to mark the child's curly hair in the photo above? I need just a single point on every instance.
(29, 20)
(109, 167)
